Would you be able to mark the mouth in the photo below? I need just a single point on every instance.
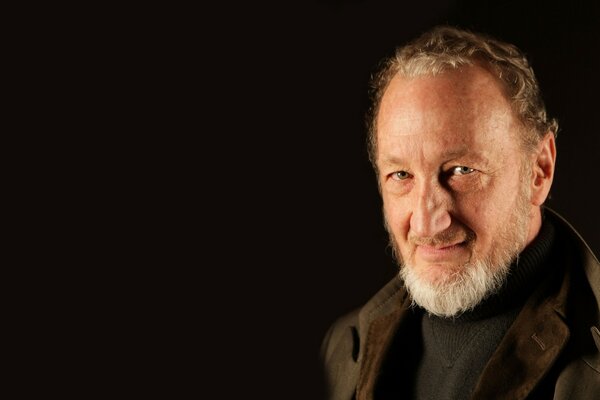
(449, 246)
(441, 252)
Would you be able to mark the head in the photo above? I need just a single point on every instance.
(464, 156)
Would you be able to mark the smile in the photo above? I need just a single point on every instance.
(441, 253)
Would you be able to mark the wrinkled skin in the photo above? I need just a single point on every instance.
(457, 185)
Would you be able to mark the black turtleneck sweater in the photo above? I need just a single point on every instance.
(442, 358)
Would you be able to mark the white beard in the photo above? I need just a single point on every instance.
(461, 293)
(463, 290)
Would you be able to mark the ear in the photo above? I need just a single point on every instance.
(543, 169)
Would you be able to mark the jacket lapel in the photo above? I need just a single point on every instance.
(530, 347)
(380, 323)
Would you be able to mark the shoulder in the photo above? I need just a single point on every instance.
(581, 375)
(579, 257)
(353, 326)
(338, 332)
(341, 347)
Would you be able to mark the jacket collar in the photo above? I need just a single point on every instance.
(378, 321)
(591, 265)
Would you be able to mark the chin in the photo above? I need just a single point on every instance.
(449, 291)
(438, 274)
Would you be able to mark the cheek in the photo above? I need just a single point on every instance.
(476, 218)
(483, 212)
(396, 216)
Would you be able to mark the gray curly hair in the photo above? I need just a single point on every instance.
(446, 47)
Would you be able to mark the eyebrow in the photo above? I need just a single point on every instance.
(448, 156)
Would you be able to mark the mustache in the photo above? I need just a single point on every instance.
(444, 238)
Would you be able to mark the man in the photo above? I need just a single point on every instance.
(497, 296)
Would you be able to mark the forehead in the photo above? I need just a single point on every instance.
(455, 111)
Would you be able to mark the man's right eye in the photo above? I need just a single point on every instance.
(400, 175)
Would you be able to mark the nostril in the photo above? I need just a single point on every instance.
(429, 222)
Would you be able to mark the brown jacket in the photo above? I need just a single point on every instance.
(551, 351)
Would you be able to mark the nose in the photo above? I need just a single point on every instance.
(430, 215)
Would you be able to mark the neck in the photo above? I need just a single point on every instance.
(535, 223)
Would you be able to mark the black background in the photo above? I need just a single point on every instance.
(219, 207)
(299, 213)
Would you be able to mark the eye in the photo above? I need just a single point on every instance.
(400, 175)
(462, 170)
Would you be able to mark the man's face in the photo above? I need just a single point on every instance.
(454, 183)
